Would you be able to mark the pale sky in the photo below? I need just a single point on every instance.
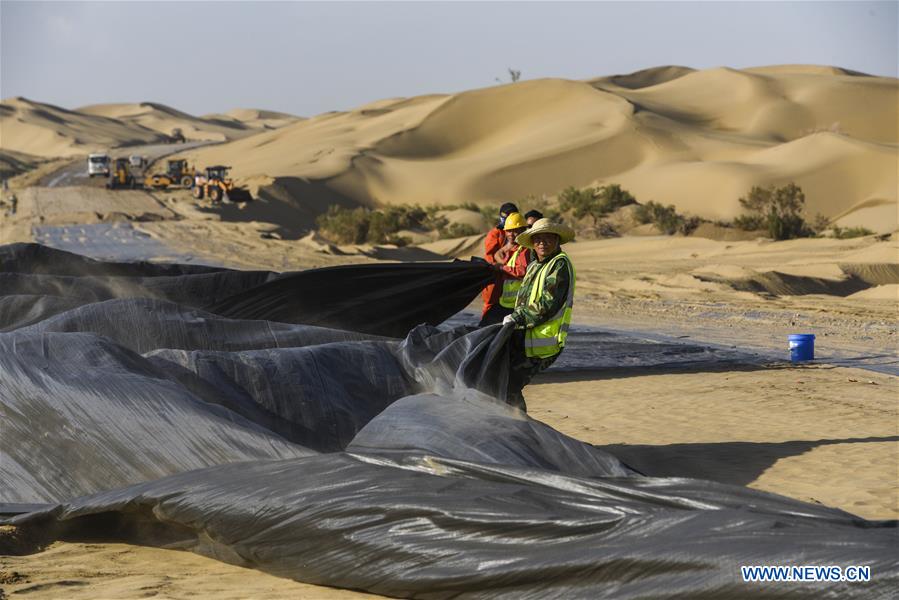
(307, 58)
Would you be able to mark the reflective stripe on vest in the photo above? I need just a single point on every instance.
(511, 285)
(547, 339)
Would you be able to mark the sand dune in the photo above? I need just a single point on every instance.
(48, 131)
(44, 130)
(164, 119)
(12, 163)
(695, 139)
(259, 119)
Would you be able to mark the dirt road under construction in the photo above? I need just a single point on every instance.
(75, 172)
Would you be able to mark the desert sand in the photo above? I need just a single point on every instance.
(696, 139)
(826, 432)
(45, 130)
(218, 128)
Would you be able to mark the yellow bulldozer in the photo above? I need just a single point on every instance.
(217, 186)
(177, 173)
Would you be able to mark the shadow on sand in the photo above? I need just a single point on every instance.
(623, 372)
(738, 463)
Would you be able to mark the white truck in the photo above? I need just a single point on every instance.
(98, 164)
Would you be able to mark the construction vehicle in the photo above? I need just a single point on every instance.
(176, 173)
(217, 186)
(120, 177)
(177, 137)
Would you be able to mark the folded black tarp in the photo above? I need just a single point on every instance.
(369, 298)
(140, 410)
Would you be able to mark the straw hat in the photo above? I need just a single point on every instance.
(565, 233)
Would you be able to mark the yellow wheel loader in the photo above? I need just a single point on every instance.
(217, 186)
(177, 173)
(120, 177)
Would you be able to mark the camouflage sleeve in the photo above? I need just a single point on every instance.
(555, 293)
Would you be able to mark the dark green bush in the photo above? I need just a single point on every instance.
(664, 217)
(454, 230)
(611, 197)
(750, 222)
(345, 225)
(594, 202)
(780, 210)
(688, 225)
(361, 225)
(364, 225)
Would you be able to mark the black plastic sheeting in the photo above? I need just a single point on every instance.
(196, 408)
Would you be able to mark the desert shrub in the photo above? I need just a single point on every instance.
(345, 225)
(611, 197)
(688, 225)
(594, 202)
(844, 233)
(780, 209)
(360, 225)
(819, 224)
(750, 222)
(454, 230)
(579, 203)
(385, 222)
(666, 218)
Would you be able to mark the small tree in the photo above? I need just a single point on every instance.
(595, 202)
(344, 225)
(611, 197)
(663, 217)
(779, 210)
(579, 202)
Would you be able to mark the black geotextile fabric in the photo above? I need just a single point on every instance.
(180, 413)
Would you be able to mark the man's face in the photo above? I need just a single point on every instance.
(511, 234)
(531, 220)
(545, 244)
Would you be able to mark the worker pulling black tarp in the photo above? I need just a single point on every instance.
(277, 422)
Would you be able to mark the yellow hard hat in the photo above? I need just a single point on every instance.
(514, 221)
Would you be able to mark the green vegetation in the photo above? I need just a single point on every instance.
(750, 222)
(844, 233)
(594, 202)
(361, 225)
(776, 209)
(364, 225)
(666, 218)
(455, 230)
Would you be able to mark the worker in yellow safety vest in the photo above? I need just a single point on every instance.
(542, 313)
(511, 263)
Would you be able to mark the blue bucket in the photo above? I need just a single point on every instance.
(802, 346)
